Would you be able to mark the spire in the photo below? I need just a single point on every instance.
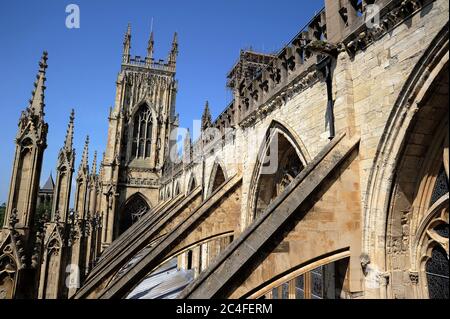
(150, 48)
(94, 164)
(85, 157)
(174, 51)
(70, 129)
(49, 184)
(127, 45)
(36, 104)
(206, 117)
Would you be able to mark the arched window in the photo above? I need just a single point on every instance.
(276, 174)
(142, 133)
(177, 189)
(192, 184)
(135, 208)
(438, 273)
(436, 266)
(217, 178)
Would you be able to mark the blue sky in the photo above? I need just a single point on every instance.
(84, 62)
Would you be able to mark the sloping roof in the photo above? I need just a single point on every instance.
(49, 184)
(166, 282)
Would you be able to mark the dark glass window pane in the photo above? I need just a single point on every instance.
(299, 287)
(275, 293)
(317, 283)
(285, 291)
(318, 271)
(442, 230)
(440, 188)
(438, 274)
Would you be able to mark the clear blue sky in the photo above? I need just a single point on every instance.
(84, 63)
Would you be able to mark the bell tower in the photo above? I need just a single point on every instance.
(138, 136)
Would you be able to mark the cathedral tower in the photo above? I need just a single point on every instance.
(138, 137)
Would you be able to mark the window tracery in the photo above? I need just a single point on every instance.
(142, 133)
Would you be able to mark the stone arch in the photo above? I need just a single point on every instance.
(168, 191)
(23, 178)
(60, 196)
(327, 271)
(288, 158)
(405, 115)
(217, 178)
(176, 189)
(52, 262)
(132, 210)
(192, 184)
(418, 203)
(81, 194)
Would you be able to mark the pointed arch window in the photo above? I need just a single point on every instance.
(142, 133)
(435, 241)
(135, 208)
(279, 167)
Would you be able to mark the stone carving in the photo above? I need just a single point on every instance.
(403, 10)
(414, 277)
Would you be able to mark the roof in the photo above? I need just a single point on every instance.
(166, 282)
(49, 184)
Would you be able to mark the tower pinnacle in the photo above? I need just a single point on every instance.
(68, 144)
(127, 45)
(206, 117)
(174, 50)
(94, 164)
(36, 104)
(150, 48)
(85, 157)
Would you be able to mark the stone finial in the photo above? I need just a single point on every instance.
(127, 45)
(68, 144)
(150, 47)
(364, 258)
(174, 50)
(84, 159)
(206, 117)
(94, 164)
(36, 104)
(13, 220)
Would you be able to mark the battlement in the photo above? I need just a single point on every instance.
(149, 62)
(158, 65)
(261, 82)
(249, 64)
